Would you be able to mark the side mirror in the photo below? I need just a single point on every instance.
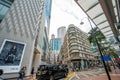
(1, 71)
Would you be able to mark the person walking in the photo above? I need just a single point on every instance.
(32, 72)
(24, 70)
(21, 74)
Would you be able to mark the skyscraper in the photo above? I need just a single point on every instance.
(52, 36)
(45, 43)
(4, 7)
(55, 44)
(22, 25)
(61, 32)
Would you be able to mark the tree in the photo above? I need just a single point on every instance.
(105, 46)
(95, 33)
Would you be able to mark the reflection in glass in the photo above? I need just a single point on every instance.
(4, 7)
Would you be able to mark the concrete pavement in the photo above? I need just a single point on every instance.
(94, 74)
(97, 74)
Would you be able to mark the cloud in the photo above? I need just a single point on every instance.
(65, 12)
(66, 7)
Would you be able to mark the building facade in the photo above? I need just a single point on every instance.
(4, 6)
(22, 25)
(61, 33)
(76, 49)
(55, 44)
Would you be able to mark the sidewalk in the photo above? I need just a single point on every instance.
(27, 78)
(114, 75)
(116, 71)
(102, 77)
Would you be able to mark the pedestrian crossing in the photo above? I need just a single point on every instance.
(87, 74)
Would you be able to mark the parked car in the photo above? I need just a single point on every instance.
(65, 67)
(50, 72)
(1, 71)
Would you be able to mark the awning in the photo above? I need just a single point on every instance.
(103, 13)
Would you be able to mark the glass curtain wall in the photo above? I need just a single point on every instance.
(4, 7)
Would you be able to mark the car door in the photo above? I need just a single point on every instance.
(55, 72)
(61, 71)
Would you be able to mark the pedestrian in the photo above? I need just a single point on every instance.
(24, 70)
(21, 74)
(118, 65)
(32, 72)
(77, 69)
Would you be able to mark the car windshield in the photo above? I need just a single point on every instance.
(42, 67)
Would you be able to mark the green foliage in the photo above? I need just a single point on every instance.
(106, 46)
(112, 53)
(95, 33)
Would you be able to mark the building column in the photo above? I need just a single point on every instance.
(82, 64)
(36, 61)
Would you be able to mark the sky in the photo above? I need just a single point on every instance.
(66, 12)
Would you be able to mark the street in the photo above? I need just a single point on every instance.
(91, 74)
(94, 74)
(86, 74)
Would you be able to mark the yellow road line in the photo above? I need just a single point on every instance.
(70, 75)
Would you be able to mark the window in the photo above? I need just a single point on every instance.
(4, 7)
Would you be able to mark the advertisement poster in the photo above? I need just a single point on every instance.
(11, 55)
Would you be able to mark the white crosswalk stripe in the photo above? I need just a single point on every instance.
(90, 73)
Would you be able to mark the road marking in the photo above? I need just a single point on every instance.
(77, 76)
(72, 74)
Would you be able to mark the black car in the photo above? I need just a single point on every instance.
(51, 72)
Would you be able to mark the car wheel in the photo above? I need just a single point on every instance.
(65, 74)
(51, 77)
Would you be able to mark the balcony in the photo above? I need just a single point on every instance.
(70, 44)
(72, 37)
(73, 51)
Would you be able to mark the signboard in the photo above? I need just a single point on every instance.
(119, 59)
(94, 49)
(11, 55)
(106, 58)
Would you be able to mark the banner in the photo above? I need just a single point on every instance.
(106, 58)
(11, 55)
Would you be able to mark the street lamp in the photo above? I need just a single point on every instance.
(81, 23)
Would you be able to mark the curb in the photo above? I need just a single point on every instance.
(70, 75)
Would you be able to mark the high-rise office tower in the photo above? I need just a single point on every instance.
(45, 42)
(52, 36)
(23, 34)
(61, 33)
(55, 44)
